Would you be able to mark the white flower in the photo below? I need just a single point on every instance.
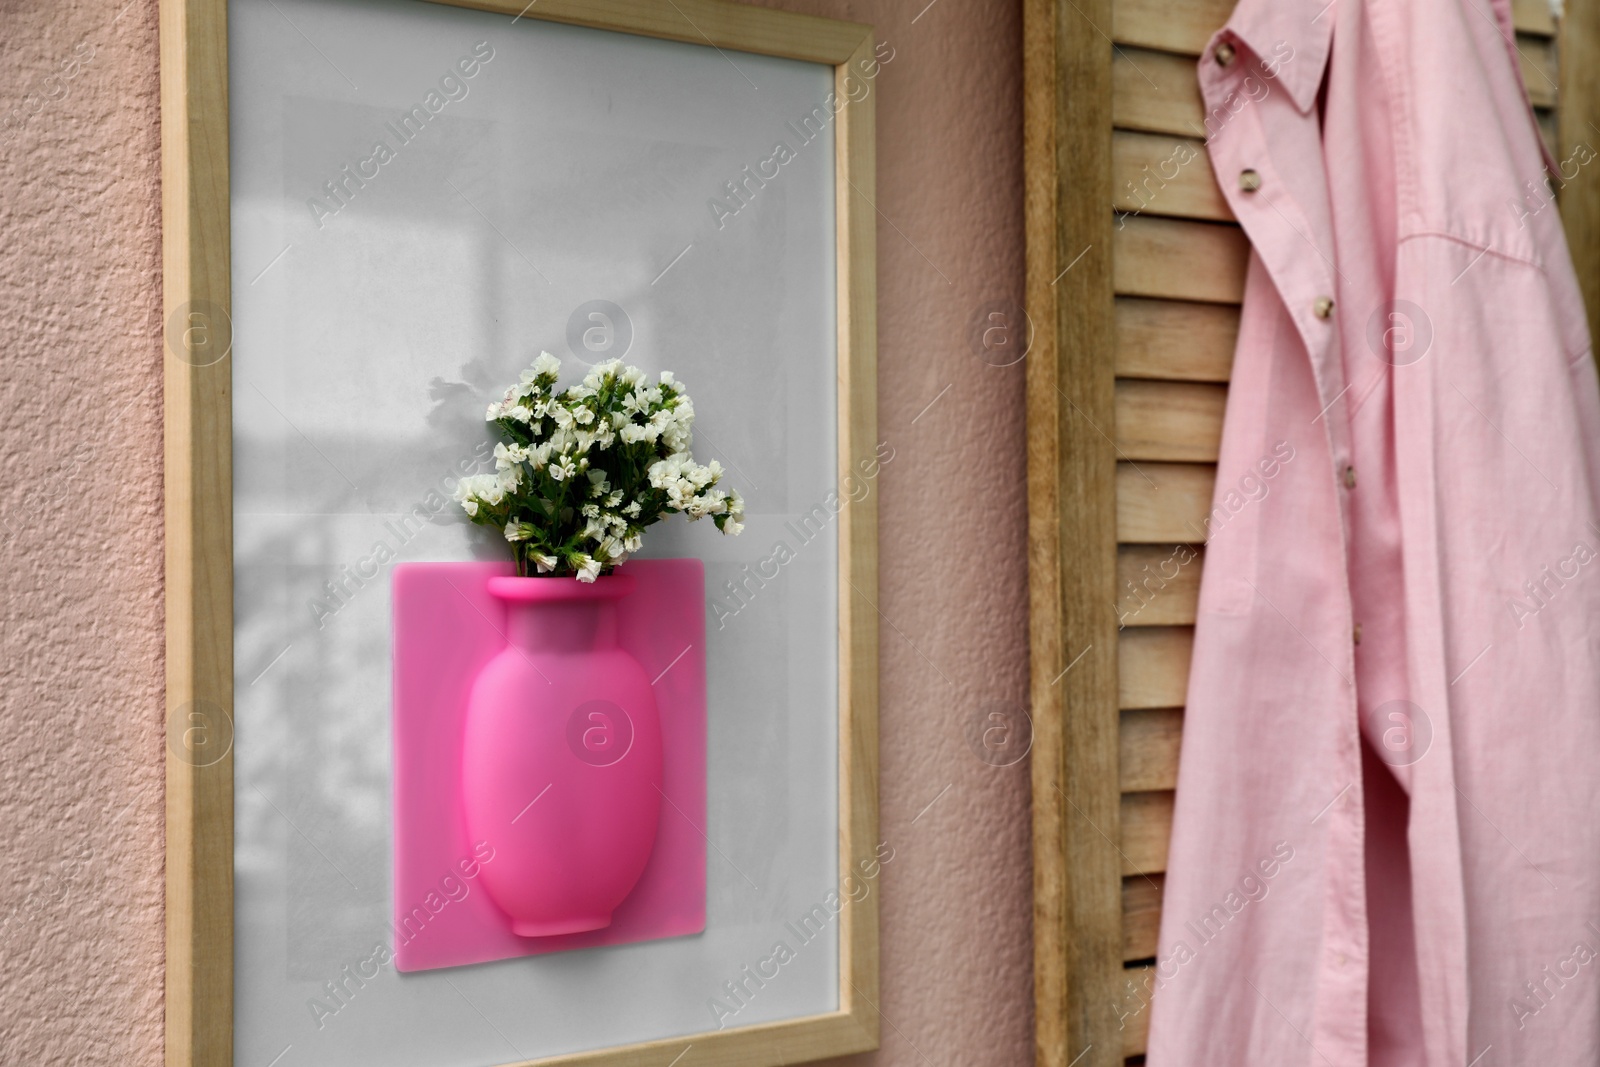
(506, 457)
(479, 489)
(632, 510)
(588, 568)
(470, 507)
(546, 366)
(667, 378)
(563, 468)
(544, 561)
(519, 531)
(733, 527)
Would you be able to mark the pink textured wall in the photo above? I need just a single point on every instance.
(80, 534)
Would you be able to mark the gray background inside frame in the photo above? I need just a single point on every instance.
(577, 167)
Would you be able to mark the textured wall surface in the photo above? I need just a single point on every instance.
(80, 534)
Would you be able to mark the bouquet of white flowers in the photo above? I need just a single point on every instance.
(583, 471)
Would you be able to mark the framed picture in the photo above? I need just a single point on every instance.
(377, 214)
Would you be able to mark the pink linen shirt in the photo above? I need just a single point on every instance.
(1386, 844)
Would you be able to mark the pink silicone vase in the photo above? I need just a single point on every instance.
(561, 760)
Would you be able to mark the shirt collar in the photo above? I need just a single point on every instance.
(1290, 39)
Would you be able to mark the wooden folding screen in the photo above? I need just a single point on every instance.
(1135, 274)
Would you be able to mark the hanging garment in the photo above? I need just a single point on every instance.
(1386, 845)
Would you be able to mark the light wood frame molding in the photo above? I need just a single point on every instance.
(199, 532)
(1135, 320)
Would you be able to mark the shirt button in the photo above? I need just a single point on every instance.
(1323, 307)
(1249, 181)
(1223, 54)
(1349, 477)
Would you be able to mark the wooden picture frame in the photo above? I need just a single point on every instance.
(199, 531)
(1135, 325)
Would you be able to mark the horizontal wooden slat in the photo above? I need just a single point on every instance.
(1155, 586)
(1533, 16)
(1159, 174)
(1133, 1008)
(1171, 25)
(1179, 260)
(1538, 61)
(1179, 421)
(1175, 339)
(1153, 666)
(1141, 915)
(1156, 92)
(1132, 996)
(1149, 741)
(1163, 503)
(1185, 26)
(1146, 826)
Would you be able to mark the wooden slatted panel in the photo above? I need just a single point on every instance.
(1179, 421)
(1149, 749)
(1159, 174)
(1141, 915)
(1163, 503)
(1176, 280)
(1175, 340)
(1153, 666)
(1146, 825)
(1178, 260)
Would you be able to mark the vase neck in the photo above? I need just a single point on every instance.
(562, 626)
